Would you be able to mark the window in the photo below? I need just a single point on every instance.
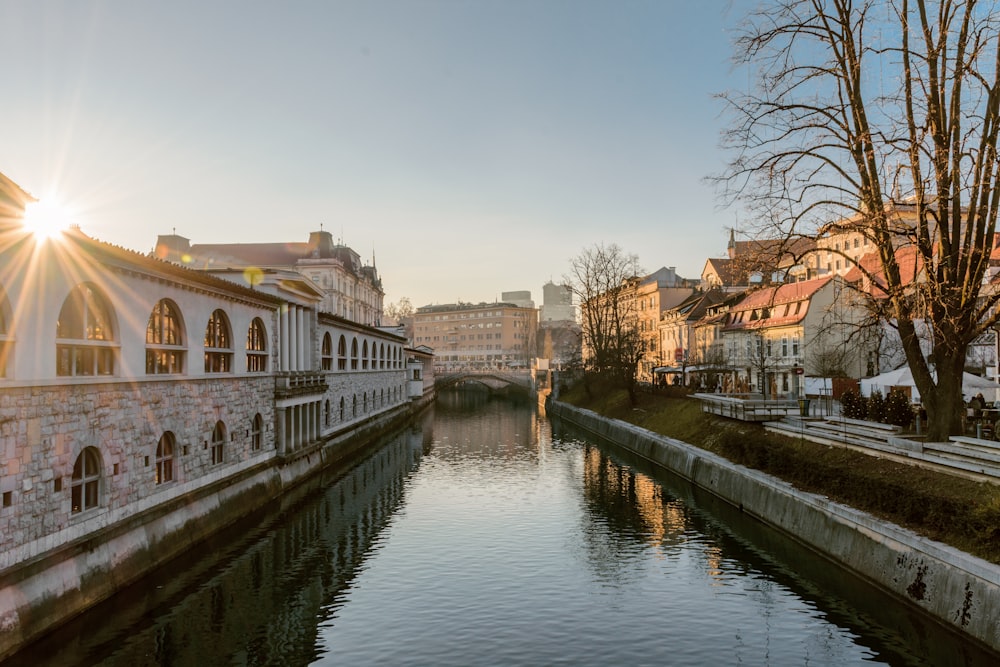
(165, 458)
(784, 346)
(381, 356)
(164, 340)
(354, 354)
(84, 336)
(256, 347)
(218, 443)
(342, 406)
(326, 352)
(218, 348)
(256, 432)
(795, 346)
(364, 356)
(342, 354)
(85, 486)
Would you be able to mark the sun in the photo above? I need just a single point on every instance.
(47, 219)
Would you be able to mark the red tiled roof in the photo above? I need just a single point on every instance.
(771, 298)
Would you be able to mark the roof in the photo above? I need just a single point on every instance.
(766, 302)
(870, 273)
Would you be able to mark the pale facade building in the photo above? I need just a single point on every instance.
(481, 336)
(349, 288)
(146, 404)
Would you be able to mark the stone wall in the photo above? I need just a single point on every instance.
(44, 429)
(76, 567)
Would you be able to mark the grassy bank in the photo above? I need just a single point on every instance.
(958, 512)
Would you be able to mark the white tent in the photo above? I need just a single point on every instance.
(902, 377)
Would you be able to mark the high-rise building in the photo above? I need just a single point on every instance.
(557, 303)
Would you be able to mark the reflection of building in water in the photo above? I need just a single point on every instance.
(512, 429)
(634, 499)
(263, 601)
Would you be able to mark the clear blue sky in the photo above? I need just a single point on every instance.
(474, 146)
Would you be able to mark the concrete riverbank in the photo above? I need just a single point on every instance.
(952, 586)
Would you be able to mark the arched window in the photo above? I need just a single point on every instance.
(327, 417)
(84, 334)
(256, 432)
(364, 403)
(326, 353)
(164, 340)
(354, 354)
(165, 458)
(342, 406)
(256, 347)
(6, 340)
(85, 486)
(218, 443)
(364, 356)
(354, 408)
(218, 344)
(381, 356)
(342, 354)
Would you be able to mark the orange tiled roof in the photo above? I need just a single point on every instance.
(770, 299)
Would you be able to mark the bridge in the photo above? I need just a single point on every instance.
(494, 381)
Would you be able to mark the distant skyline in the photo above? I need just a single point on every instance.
(472, 148)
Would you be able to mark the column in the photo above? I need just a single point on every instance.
(283, 333)
(300, 339)
(293, 338)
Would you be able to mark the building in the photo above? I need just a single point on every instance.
(682, 351)
(145, 405)
(557, 303)
(774, 335)
(485, 336)
(350, 289)
(520, 298)
(653, 294)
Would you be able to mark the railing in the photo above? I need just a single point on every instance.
(297, 383)
(746, 408)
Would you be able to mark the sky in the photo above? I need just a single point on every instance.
(469, 147)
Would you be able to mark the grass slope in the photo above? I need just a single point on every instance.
(956, 511)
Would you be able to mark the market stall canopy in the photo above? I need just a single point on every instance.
(903, 378)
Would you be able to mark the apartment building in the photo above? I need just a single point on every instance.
(484, 336)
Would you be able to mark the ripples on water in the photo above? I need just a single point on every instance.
(485, 538)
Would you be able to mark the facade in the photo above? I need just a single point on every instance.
(349, 288)
(145, 405)
(557, 303)
(775, 335)
(520, 298)
(485, 336)
(682, 351)
(654, 294)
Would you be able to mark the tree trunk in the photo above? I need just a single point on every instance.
(945, 404)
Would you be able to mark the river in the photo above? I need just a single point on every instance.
(487, 535)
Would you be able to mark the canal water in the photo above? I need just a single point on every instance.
(487, 535)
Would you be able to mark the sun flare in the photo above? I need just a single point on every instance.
(47, 219)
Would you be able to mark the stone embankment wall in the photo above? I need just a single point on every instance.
(71, 577)
(958, 589)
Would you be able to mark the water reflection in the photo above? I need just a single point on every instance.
(488, 535)
(252, 596)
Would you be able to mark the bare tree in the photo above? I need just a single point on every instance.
(400, 310)
(603, 279)
(882, 118)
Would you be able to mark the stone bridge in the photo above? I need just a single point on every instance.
(495, 381)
